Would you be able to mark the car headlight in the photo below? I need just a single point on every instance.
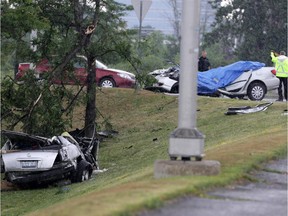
(126, 76)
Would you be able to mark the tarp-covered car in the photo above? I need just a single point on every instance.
(242, 78)
(28, 159)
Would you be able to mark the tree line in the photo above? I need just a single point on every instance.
(243, 30)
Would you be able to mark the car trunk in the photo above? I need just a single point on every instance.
(35, 160)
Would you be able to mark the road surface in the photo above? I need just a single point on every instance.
(268, 196)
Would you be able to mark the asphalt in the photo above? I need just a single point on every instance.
(265, 196)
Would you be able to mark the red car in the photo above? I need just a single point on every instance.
(105, 77)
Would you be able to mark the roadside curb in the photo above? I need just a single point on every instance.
(167, 168)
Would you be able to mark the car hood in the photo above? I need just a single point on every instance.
(121, 71)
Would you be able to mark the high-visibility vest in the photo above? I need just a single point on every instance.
(281, 65)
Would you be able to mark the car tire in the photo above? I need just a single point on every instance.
(175, 88)
(107, 82)
(256, 91)
(83, 172)
(2, 165)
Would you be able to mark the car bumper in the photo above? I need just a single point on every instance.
(272, 84)
(155, 89)
(125, 83)
(39, 177)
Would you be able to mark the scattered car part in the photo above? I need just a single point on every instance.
(107, 133)
(248, 109)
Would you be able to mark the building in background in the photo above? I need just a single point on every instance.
(161, 16)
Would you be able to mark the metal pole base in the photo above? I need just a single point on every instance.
(186, 143)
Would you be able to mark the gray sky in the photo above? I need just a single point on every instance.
(160, 14)
(157, 16)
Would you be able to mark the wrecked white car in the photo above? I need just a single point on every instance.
(28, 159)
(240, 79)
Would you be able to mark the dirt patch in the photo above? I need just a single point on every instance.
(7, 186)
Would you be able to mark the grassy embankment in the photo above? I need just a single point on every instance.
(144, 121)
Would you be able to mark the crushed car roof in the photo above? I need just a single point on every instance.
(20, 136)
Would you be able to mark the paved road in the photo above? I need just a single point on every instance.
(266, 197)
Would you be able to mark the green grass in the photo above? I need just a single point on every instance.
(144, 121)
(4, 73)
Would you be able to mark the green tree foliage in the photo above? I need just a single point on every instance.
(250, 29)
(155, 51)
(218, 56)
(42, 110)
(17, 19)
(92, 28)
(66, 28)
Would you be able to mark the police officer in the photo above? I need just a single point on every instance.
(203, 62)
(281, 66)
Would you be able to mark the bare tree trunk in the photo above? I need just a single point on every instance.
(90, 114)
(176, 19)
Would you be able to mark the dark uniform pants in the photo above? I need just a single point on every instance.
(283, 81)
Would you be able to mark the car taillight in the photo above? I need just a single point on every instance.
(20, 67)
(23, 66)
(273, 71)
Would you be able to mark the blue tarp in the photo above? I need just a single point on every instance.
(209, 81)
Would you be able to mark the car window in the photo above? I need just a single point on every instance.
(100, 65)
(79, 63)
(24, 145)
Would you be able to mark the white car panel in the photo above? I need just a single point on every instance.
(19, 161)
(164, 82)
(263, 74)
(242, 86)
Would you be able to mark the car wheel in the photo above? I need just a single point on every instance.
(256, 91)
(107, 83)
(83, 172)
(2, 165)
(175, 88)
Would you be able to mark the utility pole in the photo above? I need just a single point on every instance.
(140, 21)
(141, 8)
(186, 141)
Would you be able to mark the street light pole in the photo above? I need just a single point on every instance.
(140, 28)
(140, 22)
(186, 141)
